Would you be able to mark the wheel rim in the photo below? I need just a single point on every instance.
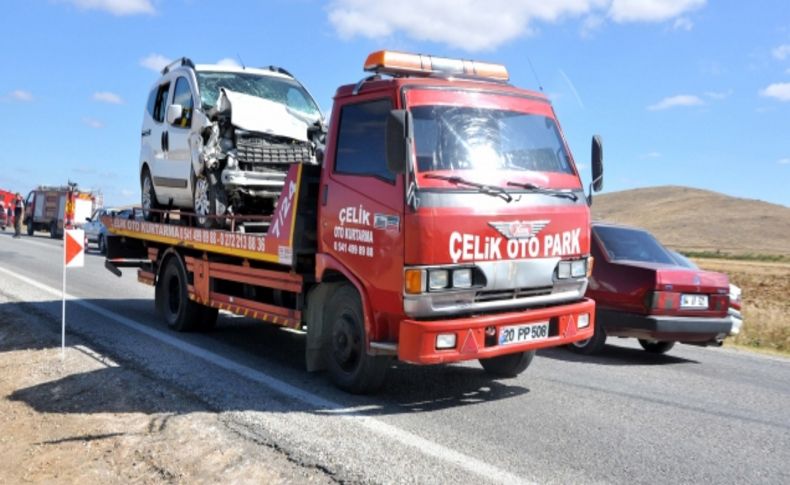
(346, 344)
(146, 194)
(202, 204)
(101, 244)
(581, 343)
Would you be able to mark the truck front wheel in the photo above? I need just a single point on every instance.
(509, 365)
(351, 368)
(592, 345)
(172, 297)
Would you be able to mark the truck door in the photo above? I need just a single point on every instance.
(362, 203)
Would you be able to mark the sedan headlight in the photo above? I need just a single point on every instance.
(438, 279)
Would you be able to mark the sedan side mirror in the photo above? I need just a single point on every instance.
(174, 112)
(397, 141)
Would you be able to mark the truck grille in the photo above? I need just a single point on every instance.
(513, 294)
(256, 150)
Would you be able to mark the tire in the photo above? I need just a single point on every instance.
(656, 347)
(208, 200)
(53, 229)
(102, 244)
(30, 228)
(350, 367)
(172, 298)
(510, 365)
(592, 345)
(148, 197)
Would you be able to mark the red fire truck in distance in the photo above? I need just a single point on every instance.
(446, 221)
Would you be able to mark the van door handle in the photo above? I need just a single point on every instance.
(165, 141)
(146, 132)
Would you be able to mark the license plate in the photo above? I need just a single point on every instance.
(693, 301)
(514, 334)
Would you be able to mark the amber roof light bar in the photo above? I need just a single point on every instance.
(407, 64)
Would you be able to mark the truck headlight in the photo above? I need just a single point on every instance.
(462, 278)
(438, 279)
(564, 270)
(579, 268)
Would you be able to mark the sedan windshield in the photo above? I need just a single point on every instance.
(281, 90)
(449, 138)
(622, 243)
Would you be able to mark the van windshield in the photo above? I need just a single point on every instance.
(450, 138)
(278, 89)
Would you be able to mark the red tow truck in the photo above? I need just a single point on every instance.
(446, 221)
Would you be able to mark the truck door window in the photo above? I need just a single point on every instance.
(361, 138)
(183, 96)
(161, 102)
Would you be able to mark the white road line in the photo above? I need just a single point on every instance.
(30, 240)
(427, 447)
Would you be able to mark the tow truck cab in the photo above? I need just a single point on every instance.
(451, 201)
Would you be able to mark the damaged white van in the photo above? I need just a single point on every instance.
(218, 140)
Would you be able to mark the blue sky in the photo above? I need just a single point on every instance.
(683, 92)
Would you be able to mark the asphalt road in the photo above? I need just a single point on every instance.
(696, 415)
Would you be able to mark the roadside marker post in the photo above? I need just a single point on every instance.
(73, 257)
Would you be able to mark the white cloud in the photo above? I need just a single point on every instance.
(475, 25)
(781, 52)
(719, 94)
(675, 101)
(155, 62)
(116, 7)
(650, 155)
(229, 62)
(92, 122)
(590, 25)
(107, 97)
(651, 10)
(20, 95)
(683, 23)
(784, 161)
(780, 91)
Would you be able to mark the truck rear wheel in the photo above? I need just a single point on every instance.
(509, 365)
(656, 347)
(53, 229)
(351, 368)
(172, 297)
(30, 228)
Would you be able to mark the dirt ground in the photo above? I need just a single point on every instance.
(766, 301)
(55, 428)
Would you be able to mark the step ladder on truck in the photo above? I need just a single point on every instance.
(446, 222)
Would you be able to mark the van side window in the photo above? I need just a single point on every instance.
(161, 102)
(151, 105)
(361, 140)
(183, 96)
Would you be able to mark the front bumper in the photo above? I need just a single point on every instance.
(417, 339)
(244, 178)
(664, 328)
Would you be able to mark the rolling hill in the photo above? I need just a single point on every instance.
(689, 219)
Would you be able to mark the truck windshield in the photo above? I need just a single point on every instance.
(622, 243)
(451, 138)
(282, 90)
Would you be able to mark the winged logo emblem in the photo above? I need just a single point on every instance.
(519, 229)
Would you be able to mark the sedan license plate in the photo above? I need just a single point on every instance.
(515, 334)
(694, 301)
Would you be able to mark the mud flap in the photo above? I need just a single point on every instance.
(317, 334)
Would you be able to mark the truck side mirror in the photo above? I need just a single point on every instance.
(597, 163)
(397, 141)
(174, 112)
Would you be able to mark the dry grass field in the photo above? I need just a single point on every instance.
(697, 220)
(766, 301)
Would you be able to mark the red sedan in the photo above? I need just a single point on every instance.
(641, 291)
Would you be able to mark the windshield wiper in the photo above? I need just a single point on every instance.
(485, 189)
(543, 190)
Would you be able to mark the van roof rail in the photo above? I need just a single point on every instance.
(184, 61)
(280, 70)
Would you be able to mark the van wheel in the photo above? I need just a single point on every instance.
(172, 297)
(592, 345)
(209, 200)
(656, 347)
(509, 365)
(351, 368)
(148, 197)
